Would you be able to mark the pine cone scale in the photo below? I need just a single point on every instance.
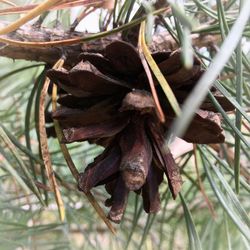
(168, 164)
(150, 191)
(136, 155)
(100, 170)
(94, 131)
(118, 201)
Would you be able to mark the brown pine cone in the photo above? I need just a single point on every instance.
(108, 102)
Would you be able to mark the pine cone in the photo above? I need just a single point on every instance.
(108, 102)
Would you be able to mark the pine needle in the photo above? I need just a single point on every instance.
(159, 112)
(8, 2)
(76, 40)
(161, 79)
(202, 189)
(29, 16)
(44, 146)
(58, 6)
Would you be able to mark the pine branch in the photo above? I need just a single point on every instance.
(29, 33)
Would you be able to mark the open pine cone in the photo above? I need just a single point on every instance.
(109, 102)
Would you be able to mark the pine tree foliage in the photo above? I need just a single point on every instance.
(211, 211)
